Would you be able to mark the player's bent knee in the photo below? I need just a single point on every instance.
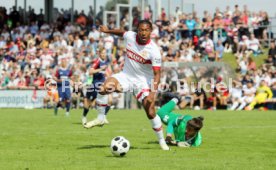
(110, 85)
(151, 113)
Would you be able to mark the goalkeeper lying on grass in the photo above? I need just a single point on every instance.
(184, 127)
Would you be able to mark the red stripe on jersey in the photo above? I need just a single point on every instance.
(143, 91)
(156, 68)
(136, 57)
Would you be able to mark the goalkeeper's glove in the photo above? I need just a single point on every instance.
(183, 144)
(170, 141)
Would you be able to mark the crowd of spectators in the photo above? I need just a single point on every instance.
(30, 48)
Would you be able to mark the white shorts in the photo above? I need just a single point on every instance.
(247, 99)
(140, 88)
(236, 95)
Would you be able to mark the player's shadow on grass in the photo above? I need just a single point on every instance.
(153, 142)
(93, 146)
(107, 146)
(77, 123)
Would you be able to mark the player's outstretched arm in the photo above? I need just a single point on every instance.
(117, 32)
(94, 71)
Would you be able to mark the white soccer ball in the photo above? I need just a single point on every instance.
(196, 108)
(119, 146)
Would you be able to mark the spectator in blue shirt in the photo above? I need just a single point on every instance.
(219, 48)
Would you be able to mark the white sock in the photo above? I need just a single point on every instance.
(157, 127)
(175, 100)
(101, 101)
(243, 104)
(234, 106)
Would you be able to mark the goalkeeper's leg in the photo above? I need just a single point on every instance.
(257, 99)
(166, 109)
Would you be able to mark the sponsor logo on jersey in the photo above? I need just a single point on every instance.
(136, 57)
(157, 60)
(144, 54)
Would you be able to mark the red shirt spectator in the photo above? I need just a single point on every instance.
(251, 64)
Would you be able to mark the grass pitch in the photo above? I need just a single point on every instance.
(36, 139)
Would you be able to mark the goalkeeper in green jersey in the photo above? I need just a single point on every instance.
(184, 127)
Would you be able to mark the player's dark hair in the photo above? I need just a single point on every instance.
(196, 123)
(144, 22)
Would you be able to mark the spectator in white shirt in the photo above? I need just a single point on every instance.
(94, 33)
(108, 44)
(46, 59)
(242, 45)
(208, 47)
(253, 45)
(35, 63)
(243, 66)
(31, 49)
(186, 56)
(5, 34)
(77, 43)
(236, 94)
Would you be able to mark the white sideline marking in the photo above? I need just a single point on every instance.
(248, 127)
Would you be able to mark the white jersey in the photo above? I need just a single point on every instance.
(253, 44)
(141, 60)
(247, 91)
(236, 92)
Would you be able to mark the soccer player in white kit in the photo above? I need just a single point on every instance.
(141, 72)
(248, 95)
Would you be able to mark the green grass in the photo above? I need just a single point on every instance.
(36, 139)
(231, 60)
